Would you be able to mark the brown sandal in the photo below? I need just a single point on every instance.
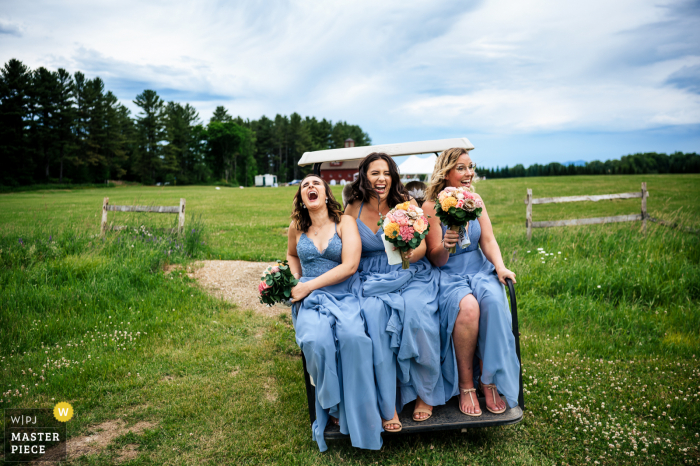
(494, 393)
(422, 410)
(469, 391)
(390, 421)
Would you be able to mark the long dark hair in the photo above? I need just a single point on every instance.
(362, 189)
(300, 215)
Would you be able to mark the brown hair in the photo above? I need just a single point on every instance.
(362, 189)
(444, 163)
(300, 215)
(417, 190)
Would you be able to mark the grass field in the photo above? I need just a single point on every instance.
(610, 329)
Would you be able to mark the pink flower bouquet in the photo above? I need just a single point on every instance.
(405, 226)
(276, 284)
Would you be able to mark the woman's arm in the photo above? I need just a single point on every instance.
(436, 252)
(352, 249)
(489, 246)
(292, 258)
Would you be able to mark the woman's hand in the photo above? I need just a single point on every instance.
(450, 239)
(504, 273)
(300, 291)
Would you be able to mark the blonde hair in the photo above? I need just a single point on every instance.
(445, 162)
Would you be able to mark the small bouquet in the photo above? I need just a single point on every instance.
(405, 226)
(276, 284)
(455, 207)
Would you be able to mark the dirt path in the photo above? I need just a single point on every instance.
(236, 282)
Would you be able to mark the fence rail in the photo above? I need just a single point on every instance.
(529, 202)
(106, 207)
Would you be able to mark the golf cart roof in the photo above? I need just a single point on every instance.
(394, 150)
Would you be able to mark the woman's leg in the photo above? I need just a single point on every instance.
(465, 335)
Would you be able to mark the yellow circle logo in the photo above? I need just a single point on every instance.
(63, 412)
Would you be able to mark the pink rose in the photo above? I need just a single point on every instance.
(262, 287)
(406, 233)
(460, 204)
(401, 217)
(391, 218)
(274, 269)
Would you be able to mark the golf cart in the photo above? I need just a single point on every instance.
(448, 416)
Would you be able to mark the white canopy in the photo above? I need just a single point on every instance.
(394, 150)
(415, 165)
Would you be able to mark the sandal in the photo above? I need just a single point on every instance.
(469, 391)
(422, 410)
(494, 393)
(391, 421)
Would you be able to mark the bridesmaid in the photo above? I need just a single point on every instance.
(323, 252)
(399, 306)
(474, 312)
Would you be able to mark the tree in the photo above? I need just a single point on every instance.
(65, 116)
(221, 115)
(150, 133)
(180, 157)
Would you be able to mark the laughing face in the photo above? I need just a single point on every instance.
(379, 178)
(462, 173)
(313, 193)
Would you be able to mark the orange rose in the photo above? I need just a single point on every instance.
(447, 203)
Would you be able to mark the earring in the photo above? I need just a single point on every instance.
(303, 206)
(326, 200)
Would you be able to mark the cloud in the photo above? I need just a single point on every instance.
(10, 28)
(403, 70)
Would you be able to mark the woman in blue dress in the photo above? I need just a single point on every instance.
(474, 314)
(323, 252)
(399, 306)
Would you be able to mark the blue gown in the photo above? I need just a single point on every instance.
(468, 271)
(331, 333)
(400, 308)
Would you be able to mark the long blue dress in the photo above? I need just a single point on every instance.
(468, 271)
(331, 333)
(400, 308)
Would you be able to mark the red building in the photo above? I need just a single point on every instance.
(341, 170)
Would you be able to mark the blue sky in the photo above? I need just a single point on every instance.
(526, 82)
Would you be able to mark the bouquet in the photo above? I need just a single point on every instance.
(455, 207)
(276, 284)
(405, 226)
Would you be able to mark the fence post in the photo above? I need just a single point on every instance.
(644, 207)
(528, 214)
(103, 225)
(181, 217)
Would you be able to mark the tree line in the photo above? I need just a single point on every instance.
(57, 127)
(641, 163)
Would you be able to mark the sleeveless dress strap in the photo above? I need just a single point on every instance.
(362, 204)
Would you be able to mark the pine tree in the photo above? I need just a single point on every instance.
(150, 132)
(15, 81)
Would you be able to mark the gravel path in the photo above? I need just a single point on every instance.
(236, 282)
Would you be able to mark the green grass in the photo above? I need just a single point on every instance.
(613, 319)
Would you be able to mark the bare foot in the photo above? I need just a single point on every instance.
(335, 421)
(421, 404)
(468, 401)
(393, 423)
(491, 392)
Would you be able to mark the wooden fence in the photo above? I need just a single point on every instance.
(529, 201)
(180, 210)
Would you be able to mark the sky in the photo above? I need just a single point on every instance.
(525, 81)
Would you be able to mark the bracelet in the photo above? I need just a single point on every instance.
(443, 245)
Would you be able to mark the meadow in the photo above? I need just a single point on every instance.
(609, 321)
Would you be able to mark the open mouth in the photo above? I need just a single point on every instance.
(313, 195)
(467, 183)
(380, 188)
